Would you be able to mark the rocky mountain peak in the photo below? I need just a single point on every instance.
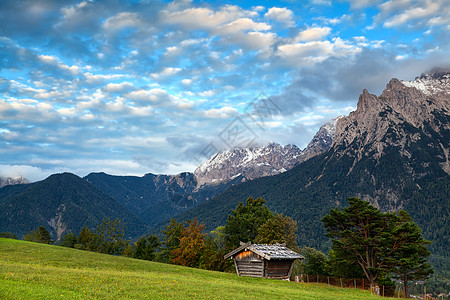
(12, 181)
(405, 112)
(321, 141)
(249, 163)
(272, 159)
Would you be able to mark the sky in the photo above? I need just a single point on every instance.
(136, 87)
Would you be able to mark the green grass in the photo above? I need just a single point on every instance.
(38, 271)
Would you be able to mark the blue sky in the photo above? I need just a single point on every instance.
(135, 87)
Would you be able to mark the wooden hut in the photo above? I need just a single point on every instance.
(269, 261)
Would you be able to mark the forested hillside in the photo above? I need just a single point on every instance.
(63, 203)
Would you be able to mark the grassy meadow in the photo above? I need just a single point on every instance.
(38, 271)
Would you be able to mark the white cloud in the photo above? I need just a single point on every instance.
(203, 18)
(253, 40)
(54, 61)
(232, 23)
(242, 25)
(313, 34)
(221, 113)
(282, 15)
(29, 172)
(166, 72)
(186, 81)
(91, 78)
(122, 20)
(413, 13)
(153, 95)
(207, 93)
(309, 53)
(118, 87)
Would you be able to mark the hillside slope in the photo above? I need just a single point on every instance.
(37, 271)
(62, 203)
(156, 198)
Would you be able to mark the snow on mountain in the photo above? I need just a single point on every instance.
(12, 181)
(249, 163)
(436, 83)
(255, 162)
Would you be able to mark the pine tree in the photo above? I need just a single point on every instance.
(278, 229)
(243, 224)
(378, 242)
(111, 234)
(409, 261)
(171, 240)
(145, 247)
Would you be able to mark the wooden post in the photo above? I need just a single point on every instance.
(354, 281)
(264, 267)
(236, 266)
(328, 280)
(290, 270)
(341, 282)
(317, 278)
(424, 292)
(307, 278)
(363, 285)
(383, 290)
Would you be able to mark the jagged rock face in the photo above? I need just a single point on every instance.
(12, 181)
(409, 120)
(321, 141)
(250, 163)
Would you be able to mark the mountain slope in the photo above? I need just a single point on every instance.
(263, 161)
(156, 198)
(62, 203)
(390, 151)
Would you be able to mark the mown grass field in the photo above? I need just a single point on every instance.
(38, 271)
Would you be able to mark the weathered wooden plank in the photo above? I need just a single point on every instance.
(248, 256)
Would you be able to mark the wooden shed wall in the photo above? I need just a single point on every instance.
(278, 268)
(249, 264)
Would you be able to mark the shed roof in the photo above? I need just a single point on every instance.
(276, 251)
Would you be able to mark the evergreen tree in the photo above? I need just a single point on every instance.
(8, 235)
(111, 234)
(69, 240)
(361, 233)
(245, 220)
(340, 267)
(409, 261)
(278, 229)
(88, 240)
(171, 240)
(145, 247)
(41, 235)
(214, 251)
(314, 262)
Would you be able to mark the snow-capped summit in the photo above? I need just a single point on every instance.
(432, 83)
(12, 181)
(250, 163)
(255, 162)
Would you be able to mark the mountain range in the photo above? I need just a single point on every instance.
(393, 151)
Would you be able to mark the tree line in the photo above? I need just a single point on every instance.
(366, 243)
